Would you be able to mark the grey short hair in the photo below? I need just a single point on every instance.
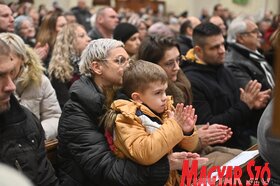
(18, 22)
(96, 50)
(237, 26)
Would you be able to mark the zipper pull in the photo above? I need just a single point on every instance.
(18, 166)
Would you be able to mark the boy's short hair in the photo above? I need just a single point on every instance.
(140, 74)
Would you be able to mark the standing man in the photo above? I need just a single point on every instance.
(22, 143)
(6, 19)
(105, 23)
(216, 95)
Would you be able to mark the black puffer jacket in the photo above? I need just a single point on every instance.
(22, 145)
(83, 152)
(216, 99)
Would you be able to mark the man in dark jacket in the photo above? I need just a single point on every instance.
(105, 23)
(185, 37)
(216, 95)
(243, 59)
(22, 143)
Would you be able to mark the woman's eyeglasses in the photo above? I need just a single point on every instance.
(172, 63)
(120, 60)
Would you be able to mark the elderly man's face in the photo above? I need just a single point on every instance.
(252, 37)
(6, 19)
(7, 86)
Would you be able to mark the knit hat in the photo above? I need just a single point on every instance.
(124, 31)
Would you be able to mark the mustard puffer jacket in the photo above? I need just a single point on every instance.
(133, 140)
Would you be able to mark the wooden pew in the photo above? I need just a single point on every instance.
(51, 147)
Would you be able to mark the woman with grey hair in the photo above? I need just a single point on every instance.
(24, 27)
(83, 152)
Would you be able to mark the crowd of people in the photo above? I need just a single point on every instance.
(130, 95)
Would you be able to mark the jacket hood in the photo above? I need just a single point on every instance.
(129, 107)
(85, 92)
(191, 57)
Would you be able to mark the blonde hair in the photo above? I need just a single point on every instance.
(97, 50)
(60, 66)
(33, 68)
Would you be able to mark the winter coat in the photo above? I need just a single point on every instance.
(22, 145)
(144, 137)
(83, 153)
(185, 44)
(41, 100)
(94, 33)
(246, 66)
(216, 99)
(83, 17)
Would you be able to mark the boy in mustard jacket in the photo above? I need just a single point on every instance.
(144, 124)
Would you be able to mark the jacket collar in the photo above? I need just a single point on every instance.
(14, 115)
(247, 53)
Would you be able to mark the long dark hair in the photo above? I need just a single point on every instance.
(152, 49)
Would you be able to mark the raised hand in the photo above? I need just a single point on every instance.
(214, 134)
(184, 116)
(249, 94)
(191, 119)
(42, 51)
(262, 99)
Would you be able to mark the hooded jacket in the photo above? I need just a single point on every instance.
(84, 155)
(145, 137)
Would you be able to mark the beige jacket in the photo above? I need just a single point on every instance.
(42, 101)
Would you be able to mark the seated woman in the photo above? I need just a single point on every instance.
(129, 35)
(164, 51)
(84, 156)
(25, 29)
(63, 68)
(33, 88)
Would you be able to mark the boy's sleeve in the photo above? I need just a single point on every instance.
(190, 143)
(137, 144)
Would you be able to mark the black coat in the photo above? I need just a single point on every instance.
(22, 145)
(84, 155)
(246, 66)
(83, 17)
(185, 44)
(216, 100)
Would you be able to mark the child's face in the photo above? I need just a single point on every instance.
(154, 96)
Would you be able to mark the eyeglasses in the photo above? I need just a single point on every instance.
(120, 60)
(255, 31)
(172, 63)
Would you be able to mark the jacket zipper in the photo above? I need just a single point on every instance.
(18, 165)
